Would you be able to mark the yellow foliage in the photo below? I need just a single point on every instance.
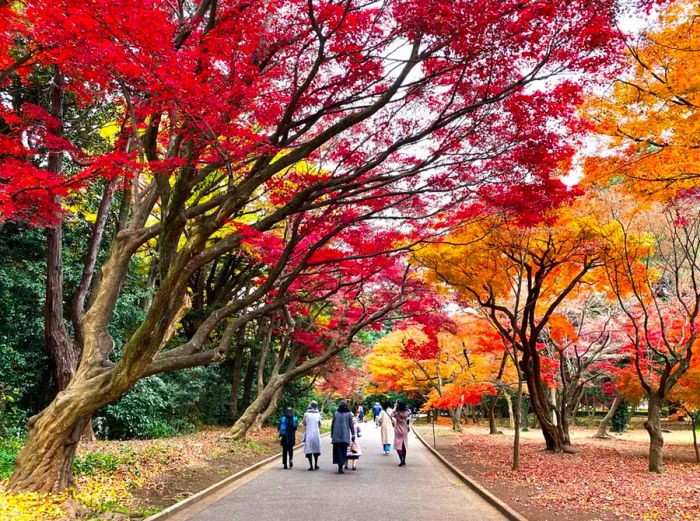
(30, 506)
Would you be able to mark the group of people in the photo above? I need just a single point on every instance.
(345, 434)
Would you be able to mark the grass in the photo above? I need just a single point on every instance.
(247, 444)
(92, 463)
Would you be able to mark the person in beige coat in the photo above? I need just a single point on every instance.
(386, 423)
(401, 419)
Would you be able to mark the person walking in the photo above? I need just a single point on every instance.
(377, 409)
(360, 413)
(401, 419)
(342, 434)
(386, 422)
(354, 450)
(312, 435)
(287, 431)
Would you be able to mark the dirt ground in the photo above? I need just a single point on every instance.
(605, 480)
(178, 467)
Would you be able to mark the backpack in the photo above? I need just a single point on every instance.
(283, 425)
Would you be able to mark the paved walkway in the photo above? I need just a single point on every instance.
(379, 489)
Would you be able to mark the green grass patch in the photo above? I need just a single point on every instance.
(92, 463)
(246, 445)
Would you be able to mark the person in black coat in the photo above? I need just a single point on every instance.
(342, 434)
(287, 432)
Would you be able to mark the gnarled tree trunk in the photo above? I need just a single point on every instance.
(247, 419)
(540, 405)
(45, 463)
(269, 410)
(656, 439)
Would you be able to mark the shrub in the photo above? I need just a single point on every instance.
(621, 417)
(9, 447)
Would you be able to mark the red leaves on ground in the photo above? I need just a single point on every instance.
(603, 477)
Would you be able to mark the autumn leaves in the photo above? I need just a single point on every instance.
(600, 291)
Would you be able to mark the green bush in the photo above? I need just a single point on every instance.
(167, 405)
(9, 448)
(621, 417)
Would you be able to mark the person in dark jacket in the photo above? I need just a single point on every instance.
(377, 410)
(342, 434)
(287, 431)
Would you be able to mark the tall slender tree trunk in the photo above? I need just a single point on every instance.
(509, 402)
(249, 379)
(493, 429)
(603, 427)
(653, 427)
(59, 345)
(517, 415)
(63, 352)
(236, 378)
(693, 424)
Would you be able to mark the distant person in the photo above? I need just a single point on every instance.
(401, 418)
(386, 422)
(354, 450)
(342, 434)
(288, 430)
(360, 413)
(312, 435)
(377, 409)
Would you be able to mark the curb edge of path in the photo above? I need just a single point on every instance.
(494, 501)
(202, 494)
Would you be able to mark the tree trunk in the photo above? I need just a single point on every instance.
(62, 351)
(59, 345)
(540, 405)
(693, 424)
(493, 429)
(236, 379)
(456, 415)
(656, 439)
(249, 378)
(509, 402)
(269, 410)
(563, 423)
(517, 415)
(247, 419)
(45, 463)
(603, 427)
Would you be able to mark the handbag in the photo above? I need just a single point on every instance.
(353, 448)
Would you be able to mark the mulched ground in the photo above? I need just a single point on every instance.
(604, 480)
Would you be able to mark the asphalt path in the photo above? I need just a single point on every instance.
(424, 489)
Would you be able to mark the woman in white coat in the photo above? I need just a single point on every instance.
(312, 435)
(386, 422)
